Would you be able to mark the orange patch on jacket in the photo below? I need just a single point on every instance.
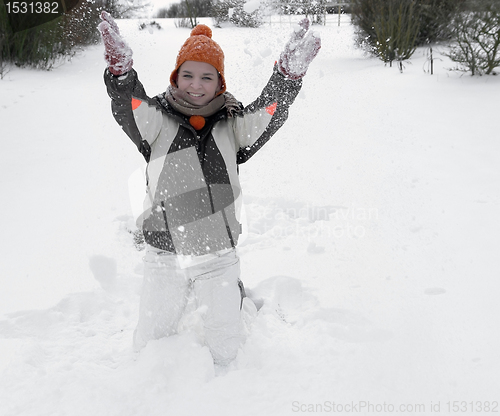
(135, 103)
(271, 108)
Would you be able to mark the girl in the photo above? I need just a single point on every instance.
(194, 136)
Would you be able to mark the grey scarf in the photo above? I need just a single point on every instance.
(179, 101)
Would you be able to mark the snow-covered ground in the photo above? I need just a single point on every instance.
(373, 241)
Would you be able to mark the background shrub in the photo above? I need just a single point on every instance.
(435, 17)
(187, 9)
(392, 29)
(476, 38)
(388, 28)
(233, 11)
(313, 9)
(43, 46)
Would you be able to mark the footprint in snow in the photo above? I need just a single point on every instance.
(434, 291)
(104, 270)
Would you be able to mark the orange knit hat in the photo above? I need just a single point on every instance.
(201, 48)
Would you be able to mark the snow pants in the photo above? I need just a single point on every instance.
(211, 285)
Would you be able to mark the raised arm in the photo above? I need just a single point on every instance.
(133, 110)
(262, 118)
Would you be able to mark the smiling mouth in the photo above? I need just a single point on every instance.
(192, 94)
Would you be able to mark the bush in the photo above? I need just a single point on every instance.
(435, 18)
(392, 29)
(187, 8)
(173, 11)
(477, 39)
(184, 22)
(150, 26)
(43, 46)
(313, 9)
(38, 47)
(233, 11)
(389, 28)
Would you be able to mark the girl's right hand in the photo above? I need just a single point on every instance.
(117, 53)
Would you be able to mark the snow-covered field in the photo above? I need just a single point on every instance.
(373, 241)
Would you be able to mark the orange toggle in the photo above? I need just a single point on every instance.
(198, 122)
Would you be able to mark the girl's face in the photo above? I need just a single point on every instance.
(199, 80)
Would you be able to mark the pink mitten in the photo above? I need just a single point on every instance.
(117, 53)
(299, 51)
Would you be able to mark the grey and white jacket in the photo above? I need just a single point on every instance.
(193, 196)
